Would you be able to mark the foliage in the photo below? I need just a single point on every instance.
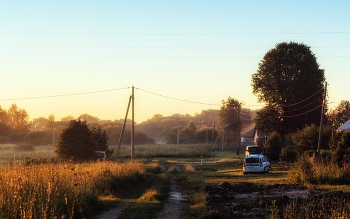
(339, 115)
(273, 146)
(158, 127)
(340, 147)
(99, 139)
(18, 119)
(309, 170)
(228, 115)
(78, 142)
(65, 190)
(307, 138)
(201, 135)
(289, 79)
(268, 119)
(289, 154)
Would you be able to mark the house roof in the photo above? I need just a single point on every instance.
(249, 134)
(346, 126)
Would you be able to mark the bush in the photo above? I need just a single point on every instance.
(289, 153)
(273, 146)
(340, 147)
(79, 143)
(307, 138)
(309, 170)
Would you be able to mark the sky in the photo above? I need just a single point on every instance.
(197, 53)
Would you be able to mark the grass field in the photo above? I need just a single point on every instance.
(85, 189)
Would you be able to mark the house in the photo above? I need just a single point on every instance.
(253, 137)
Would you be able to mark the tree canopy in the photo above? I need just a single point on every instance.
(78, 142)
(229, 113)
(290, 81)
(18, 119)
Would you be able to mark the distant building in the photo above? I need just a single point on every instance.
(253, 137)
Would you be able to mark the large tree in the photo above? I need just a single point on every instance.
(228, 115)
(290, 81)
(18, 119)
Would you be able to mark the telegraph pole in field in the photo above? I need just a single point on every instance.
(53, 132)
(322, 114)
(132, 124)
(238, 135)
(178, 132)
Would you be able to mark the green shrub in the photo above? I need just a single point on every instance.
(289, 153)
(307, 138)
(340, 147)
(273, 146)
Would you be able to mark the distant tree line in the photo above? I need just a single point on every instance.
(16, 128)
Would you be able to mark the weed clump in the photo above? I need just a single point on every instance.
(309, 170)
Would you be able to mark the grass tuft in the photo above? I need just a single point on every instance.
(308, 170)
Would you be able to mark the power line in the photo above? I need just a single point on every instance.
(302, 107)
(302, 113)
(174, 34)
(163, 57)
(177, 98)
(63, 95)
(293, 104)
(151, 47)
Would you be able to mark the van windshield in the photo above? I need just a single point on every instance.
(252, 160)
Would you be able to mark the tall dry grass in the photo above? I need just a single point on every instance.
(61, 190)
(309, 170)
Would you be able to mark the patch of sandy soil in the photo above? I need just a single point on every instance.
(112, 213)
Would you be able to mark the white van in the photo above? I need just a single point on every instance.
(256, 164)
(252, 149)
(100, 155)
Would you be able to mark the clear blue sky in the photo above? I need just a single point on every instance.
(202, 51)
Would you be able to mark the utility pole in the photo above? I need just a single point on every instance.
(212, 134)
(322, 115)
(132, 125)
(206, 136)
(212, 148)
(122, 133)
(53, 132)
(223, 136)
(238, 135)
(178, 132)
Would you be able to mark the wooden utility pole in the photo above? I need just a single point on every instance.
(238, 135)
(223, 136)
(206, 135)
(53, 131)
(212, 134)
(122, 133)
(178, 131)
(322, 115)
(212, 148)
(132, 125)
